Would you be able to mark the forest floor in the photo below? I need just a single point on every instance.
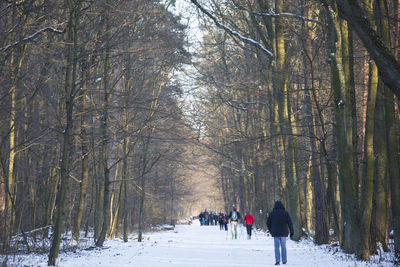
(195, 245)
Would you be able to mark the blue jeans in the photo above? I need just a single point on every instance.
(280, 241)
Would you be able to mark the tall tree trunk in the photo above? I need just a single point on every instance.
(369, 154)
(85, 155)
(104, 130)
(308, 200)
(11, 184)
(369, 169)
(143, 187)
(3, 216)
(292, 193)
(391, 124)
(53, 181)
(319, 198)
(344, 135)
(125, 151)
(124, 183)
(393, 145)
(98, 191)
(385, 114)
(389, 67)
(145, 168)
(69, 90)
(381, 172)
(114, 215)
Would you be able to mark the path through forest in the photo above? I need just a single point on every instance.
(195, 245)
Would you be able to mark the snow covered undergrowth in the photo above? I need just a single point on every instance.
(195, 245)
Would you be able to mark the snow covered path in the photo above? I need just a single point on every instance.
(196, 246)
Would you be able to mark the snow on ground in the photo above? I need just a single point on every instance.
(195, 245)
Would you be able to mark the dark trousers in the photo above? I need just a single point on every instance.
(248, 228)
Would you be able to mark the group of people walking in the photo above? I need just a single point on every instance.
(222, 219)
(234, 217)
(279, 225)
(208, 218)
(214, 218)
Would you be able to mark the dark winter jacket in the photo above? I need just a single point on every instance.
(279, 220)
(238, 216)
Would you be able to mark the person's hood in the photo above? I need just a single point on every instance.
(279, 205)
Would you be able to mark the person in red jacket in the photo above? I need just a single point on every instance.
(249, 220)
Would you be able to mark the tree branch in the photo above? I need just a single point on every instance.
(288, 15)
(232, 32)
(388, 67)
(32, 36)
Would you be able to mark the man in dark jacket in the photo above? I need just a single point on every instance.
(234, 216)
(278, 222)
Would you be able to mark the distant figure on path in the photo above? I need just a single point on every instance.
(249, 220)
(234, 216)
(225, 221)
(221, 220)
(201, 218)
(278, 222)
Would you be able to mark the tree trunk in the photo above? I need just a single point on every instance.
(85, 156)
(392, 122)
(292, 193)
(389, 68)
(344, 135)
(104, 132)
(369, 158)
(319, 198)
(381, 171)
(70, 77)
(125, 189)
(143, 187)
(369, 155)
(99, 192)
(391, 141)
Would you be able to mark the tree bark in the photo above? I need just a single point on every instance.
(344, 136)
(292, 188)
(387, 113)
(143, 187)
(367, 184)
(125, 189)
(319, 197)
(85, 154)
(70, 77)
(104, 130)
(388, 67)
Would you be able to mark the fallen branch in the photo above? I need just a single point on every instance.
(32, 231)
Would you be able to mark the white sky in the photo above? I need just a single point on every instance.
(189, 13)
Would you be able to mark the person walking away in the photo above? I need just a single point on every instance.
(206, 217)
(201, 218)
(249, 220)
(234, 216)
(221, 220)
(225, 221)
(278, 222)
